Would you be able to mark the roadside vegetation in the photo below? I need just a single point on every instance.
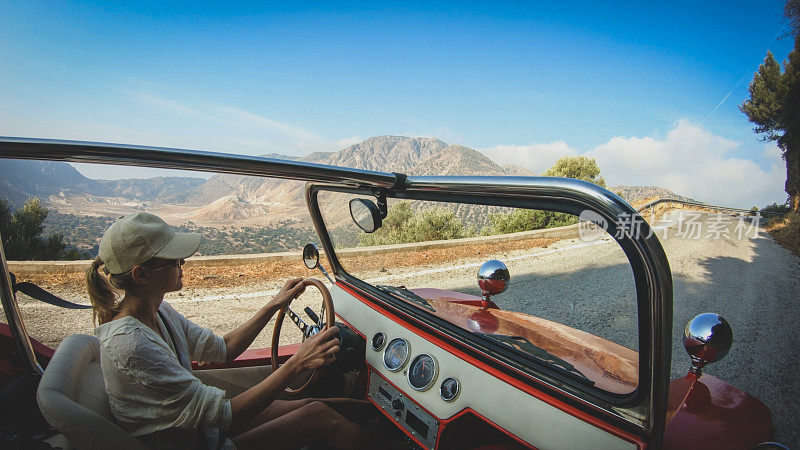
(774, 108)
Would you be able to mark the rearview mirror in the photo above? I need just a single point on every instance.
(311, 256)
(365, 214)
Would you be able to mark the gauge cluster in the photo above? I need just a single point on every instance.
(423, 370)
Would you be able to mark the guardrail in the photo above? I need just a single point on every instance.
(565, 232)
(65, 267)
(718, 208)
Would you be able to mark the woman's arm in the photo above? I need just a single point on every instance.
(317, 351)
(239, 339)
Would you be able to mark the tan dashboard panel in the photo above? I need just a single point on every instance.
(519, 413)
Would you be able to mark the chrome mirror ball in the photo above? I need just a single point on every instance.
(493, 278)
(707, 338)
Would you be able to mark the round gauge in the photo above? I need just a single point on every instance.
(422, 372)
(378, 341)
(449, 389)
(396, 354)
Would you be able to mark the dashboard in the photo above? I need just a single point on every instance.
(423, 387)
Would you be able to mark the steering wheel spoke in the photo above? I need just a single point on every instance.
(313, 316)
(297, 320)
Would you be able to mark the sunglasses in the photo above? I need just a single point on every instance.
(169, 263)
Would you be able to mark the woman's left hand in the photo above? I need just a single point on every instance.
(291, 290)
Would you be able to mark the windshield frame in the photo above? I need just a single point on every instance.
(645, 407)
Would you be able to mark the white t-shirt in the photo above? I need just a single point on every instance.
(150, 390)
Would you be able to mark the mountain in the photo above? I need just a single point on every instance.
(22, 179)
(381, 153)
(386, 153)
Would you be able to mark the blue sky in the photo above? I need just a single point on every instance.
(639, 87)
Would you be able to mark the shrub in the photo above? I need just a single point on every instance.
(525, 220)
(776, 208)
(403, 224)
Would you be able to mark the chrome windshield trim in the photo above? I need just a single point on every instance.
(171, 158)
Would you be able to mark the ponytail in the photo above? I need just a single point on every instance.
(104, 300)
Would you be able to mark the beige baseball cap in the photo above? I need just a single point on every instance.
(137, 237)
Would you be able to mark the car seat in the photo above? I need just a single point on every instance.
(72, 397)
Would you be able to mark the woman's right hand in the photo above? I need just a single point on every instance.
(318, 350)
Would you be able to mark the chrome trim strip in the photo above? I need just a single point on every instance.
(137, 155)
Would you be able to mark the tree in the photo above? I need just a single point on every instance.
(578, 167)
(792, 11)
(774, 106)
(21, 232)
(436, 224)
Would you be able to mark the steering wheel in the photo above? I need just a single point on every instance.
(320, 323)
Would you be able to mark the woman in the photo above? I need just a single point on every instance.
(147, 348)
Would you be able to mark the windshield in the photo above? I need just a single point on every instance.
(570, 303)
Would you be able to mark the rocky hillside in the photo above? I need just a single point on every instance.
(387, 153)
(232, 196)
(457, 160)
(21, 179)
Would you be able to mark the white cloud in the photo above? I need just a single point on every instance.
(286, 129)
(534, 157)
(694, 162)
(229, 117)
(690, 161)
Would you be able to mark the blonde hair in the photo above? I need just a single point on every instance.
(101, 291)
